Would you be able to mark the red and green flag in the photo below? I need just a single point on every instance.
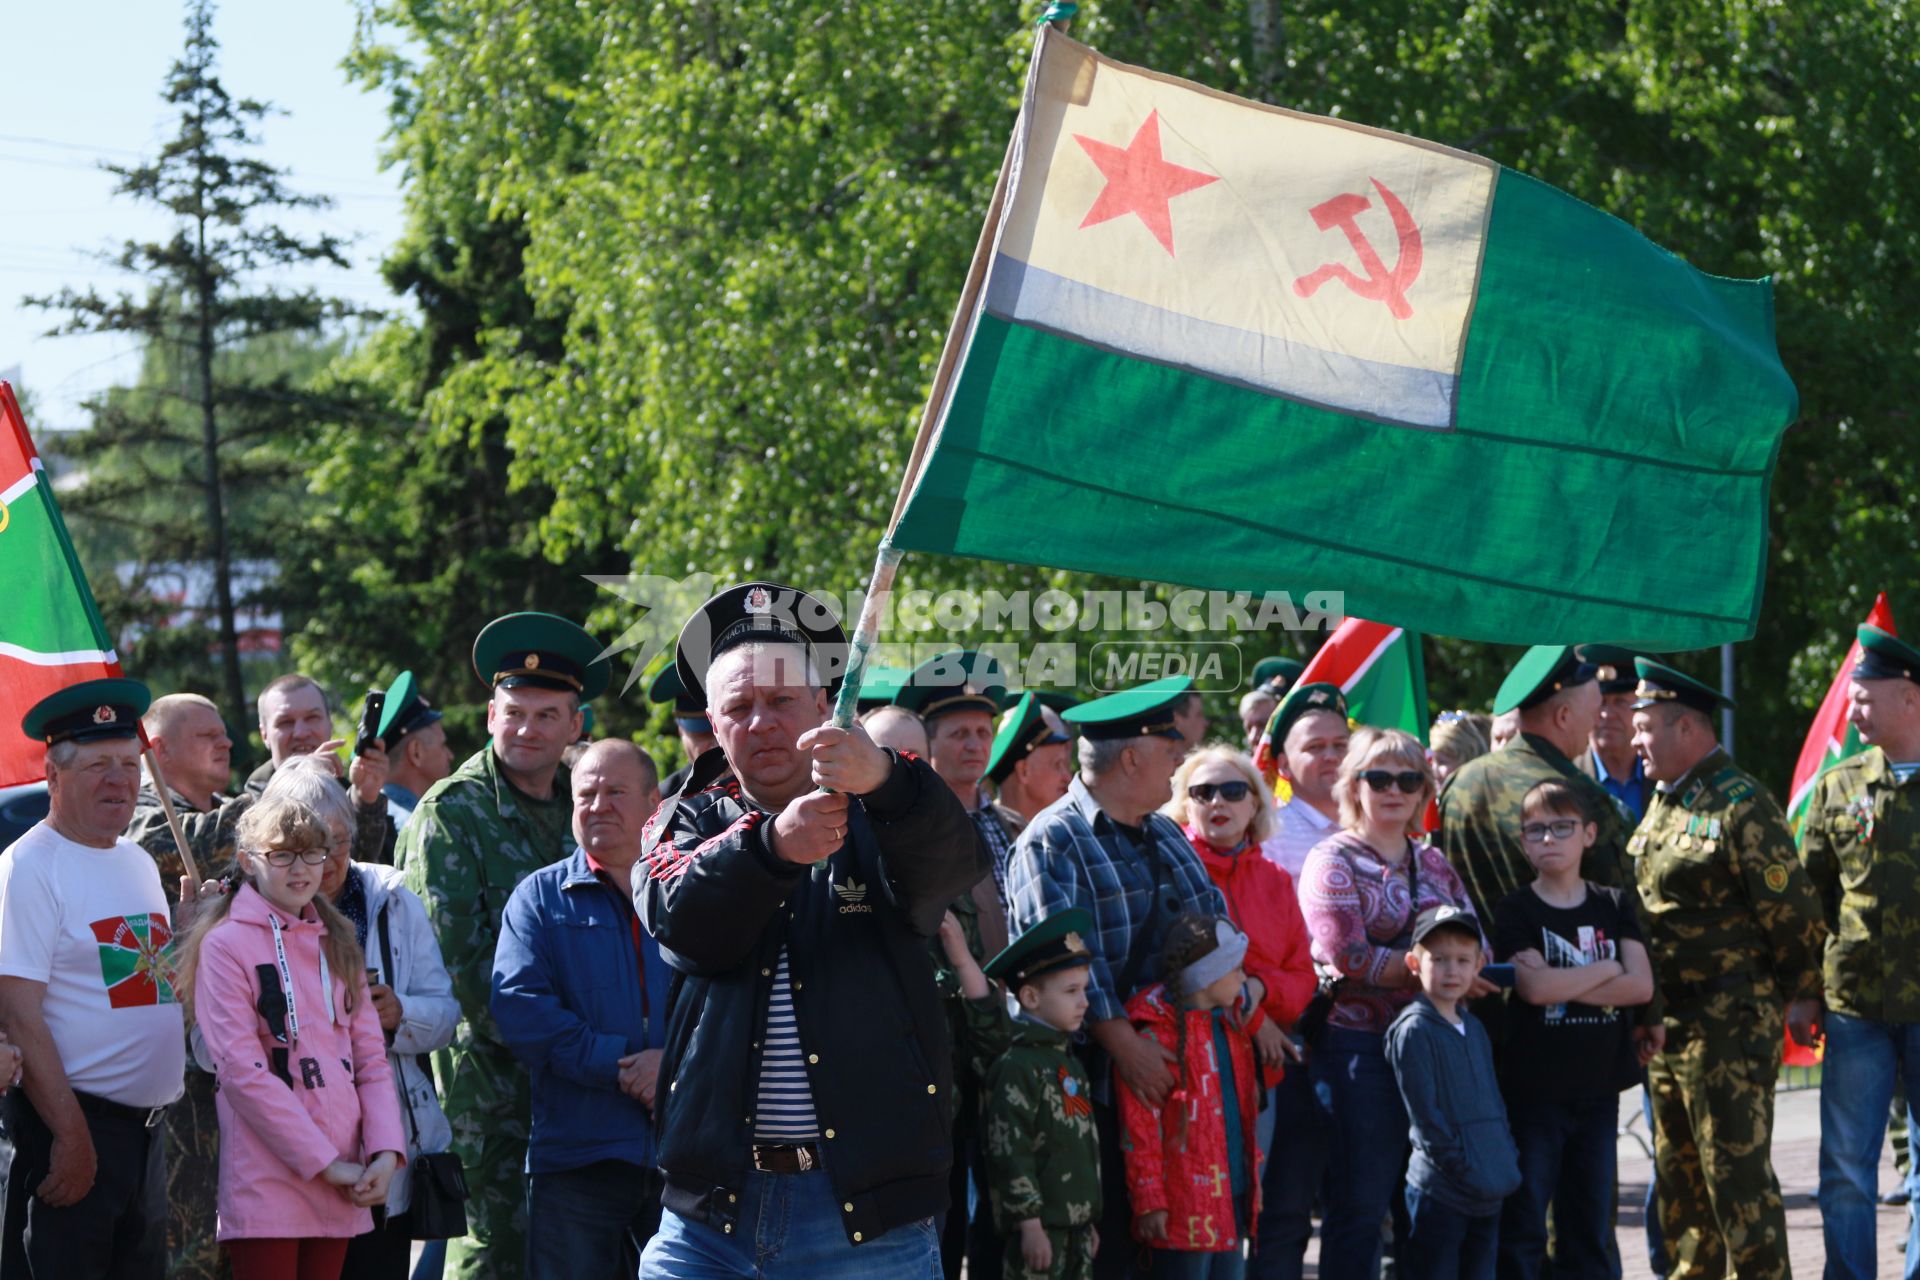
(51, 635)
(1217, 343)
(1380, 669)
(1831, 739)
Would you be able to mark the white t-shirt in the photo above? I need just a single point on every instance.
(93, 925)
(1301, 826)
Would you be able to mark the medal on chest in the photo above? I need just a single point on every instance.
(1073, 1098)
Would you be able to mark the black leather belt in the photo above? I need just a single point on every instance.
(145, 1117)
(804, 1158)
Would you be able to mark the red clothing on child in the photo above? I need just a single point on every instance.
(1184, 1169)
(1263, 904)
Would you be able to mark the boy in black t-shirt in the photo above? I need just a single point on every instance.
(1579, 960)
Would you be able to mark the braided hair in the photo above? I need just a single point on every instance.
(1191, 936)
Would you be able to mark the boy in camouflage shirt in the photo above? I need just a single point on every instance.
(1042, 1154)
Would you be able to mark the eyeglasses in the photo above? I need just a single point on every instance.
(1559, 829)
(1410, 781)
(285, 857)
(1228, 791)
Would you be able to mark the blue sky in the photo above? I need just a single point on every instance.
(82, 84)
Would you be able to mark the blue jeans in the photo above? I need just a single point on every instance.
(590, 1221)
(1656, 1246)
(433, 1260)
(1177, 1264)
(1296, 1169)
(788, 1229)
(1445, 1244)
(1367, 1149)
(1856, 1088)
(1567, 1159)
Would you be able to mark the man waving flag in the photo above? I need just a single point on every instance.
(1172, 281)
(51, 635)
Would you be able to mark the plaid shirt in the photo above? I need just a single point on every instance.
(1074, 855)
(994, 832)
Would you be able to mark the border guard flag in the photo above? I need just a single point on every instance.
(1831, 738)
(1217, 343)
(51, 635)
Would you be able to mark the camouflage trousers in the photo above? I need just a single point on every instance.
(495, 1163)
(1072, 1255)
(192, 1138)
(1720, 1207)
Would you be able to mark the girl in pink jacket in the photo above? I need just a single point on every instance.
(310, 1128)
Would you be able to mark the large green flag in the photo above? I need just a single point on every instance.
(1216, 343)
(51, 635)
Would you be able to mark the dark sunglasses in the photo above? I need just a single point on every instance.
(1228, 791)
(1411, 780)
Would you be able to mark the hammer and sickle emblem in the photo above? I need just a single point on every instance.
(1380, 285)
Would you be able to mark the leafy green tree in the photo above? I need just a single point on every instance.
(725, 245)
(199, 425)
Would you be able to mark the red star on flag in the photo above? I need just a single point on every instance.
(1139, 181)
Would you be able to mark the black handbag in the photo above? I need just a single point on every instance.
(437, 1209)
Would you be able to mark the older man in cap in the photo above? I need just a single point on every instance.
(415, 741)
(474, 836)
(806, 1124)
(1860, 843)
(86, 991)
(1610, 759)
(1554, 693)
(1104, 847)
(1734, 931)
(1030, 765)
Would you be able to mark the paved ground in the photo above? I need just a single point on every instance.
(1796, 1160)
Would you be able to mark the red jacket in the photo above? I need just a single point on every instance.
(1263, 903)
(1183, 1169)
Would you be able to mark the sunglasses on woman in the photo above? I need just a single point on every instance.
(1204, 792)
(1408, 780)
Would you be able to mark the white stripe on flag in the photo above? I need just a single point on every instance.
(1367, 665)
(13, 491)
(66, 659)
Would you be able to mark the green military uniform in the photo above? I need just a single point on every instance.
(191, 1125)
(473, 837)
(1734, 932)
(1042, 1151)
(1480, 803)
(1860, 843)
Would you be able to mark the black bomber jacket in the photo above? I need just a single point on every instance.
(721, 905)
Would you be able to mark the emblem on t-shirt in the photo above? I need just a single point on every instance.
(1589, 946)
(854, 895)
(134, 964)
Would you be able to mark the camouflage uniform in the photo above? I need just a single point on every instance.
(973, 1052)
(1480, 821)
(472, 839)
(191, 1126)
(1734, 931)
(1860, 842)
(1043, 1156)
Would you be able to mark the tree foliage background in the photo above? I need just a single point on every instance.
(683, 271)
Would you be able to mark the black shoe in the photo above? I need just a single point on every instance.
(1898, 1196)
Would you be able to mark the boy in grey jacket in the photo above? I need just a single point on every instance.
(1464, 1163)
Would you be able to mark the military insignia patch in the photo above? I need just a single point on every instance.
(532, 663)
(103, 715)
(1776, 877)
(1075, 1102)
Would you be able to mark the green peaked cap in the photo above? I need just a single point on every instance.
(1058, 942)
(1885, 656)
(541, 651)
(957, 680)
(1542, 671)
(1661, 684)
(1132, 713)
(88, 711)
(1030, 725)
